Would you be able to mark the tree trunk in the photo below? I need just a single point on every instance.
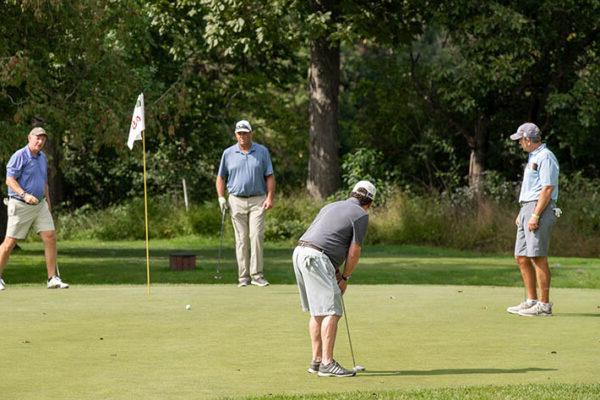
(55, 177)
(3, 218)
(324, 177)
(478, 145)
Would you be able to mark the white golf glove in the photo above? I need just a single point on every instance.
(557, 212)
(223, 204)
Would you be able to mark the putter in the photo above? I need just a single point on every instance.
(218, 273)
(356, 368)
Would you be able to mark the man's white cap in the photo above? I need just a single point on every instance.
(243, 126)
(368, 187)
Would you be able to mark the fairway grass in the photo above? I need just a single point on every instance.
(94, 262)
(116, 342)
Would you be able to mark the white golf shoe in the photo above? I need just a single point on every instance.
(520, 307)
(538, 310)
(2, 284)
(56, 283)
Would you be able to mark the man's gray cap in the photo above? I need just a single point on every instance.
(38, 131)
(527, 130)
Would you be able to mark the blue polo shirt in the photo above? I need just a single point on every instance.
(245, 172)
(30, 171)
(541, 170)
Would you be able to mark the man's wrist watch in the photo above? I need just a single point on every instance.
(346, 277)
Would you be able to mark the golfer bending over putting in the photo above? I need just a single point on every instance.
(337, 233)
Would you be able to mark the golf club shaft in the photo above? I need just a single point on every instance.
(348, 331)
(221, 240)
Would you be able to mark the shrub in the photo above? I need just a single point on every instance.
(290, 217)
(205, 219)
(166, 219)
(454, 220)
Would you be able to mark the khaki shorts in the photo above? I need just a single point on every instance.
(21, 216)
(319, 292)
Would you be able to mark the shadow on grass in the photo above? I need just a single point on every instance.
(577, 314)
(457, 371)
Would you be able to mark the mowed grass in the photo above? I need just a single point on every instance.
(416, 341)
(94, 262)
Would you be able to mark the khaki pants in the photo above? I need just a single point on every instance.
(248, 218)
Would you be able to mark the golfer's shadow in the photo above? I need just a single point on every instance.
(457, 371)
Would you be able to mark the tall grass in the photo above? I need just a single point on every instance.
(406, 219)
(453, 221)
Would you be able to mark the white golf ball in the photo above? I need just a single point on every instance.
(188, 307)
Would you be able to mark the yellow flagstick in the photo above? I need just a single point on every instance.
(146, 214)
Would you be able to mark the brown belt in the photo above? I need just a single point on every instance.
(302, 243)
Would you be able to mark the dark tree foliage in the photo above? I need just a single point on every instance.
(422, 95)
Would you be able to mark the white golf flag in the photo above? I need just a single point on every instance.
(138, 123)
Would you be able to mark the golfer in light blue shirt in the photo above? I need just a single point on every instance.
(247, 173)
(539, 193)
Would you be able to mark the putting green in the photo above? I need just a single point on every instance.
(115, 342)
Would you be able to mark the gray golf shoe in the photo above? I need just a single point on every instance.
(260, 282)
(244, 282)
(335, 369)
(314, 367)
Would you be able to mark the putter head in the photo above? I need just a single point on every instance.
(358, 368)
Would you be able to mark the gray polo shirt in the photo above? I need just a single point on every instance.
(245, 172)
(337, 226)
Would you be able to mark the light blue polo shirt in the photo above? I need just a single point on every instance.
(245, 172)
(30, 171)
(541, 170)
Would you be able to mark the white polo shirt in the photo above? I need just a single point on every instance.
(541, 170)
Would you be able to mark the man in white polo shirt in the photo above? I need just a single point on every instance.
(247, 171)
(29, 204)
(539, 193)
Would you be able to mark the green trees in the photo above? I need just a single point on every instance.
(429, 91)
(486, 67)
(68, 64)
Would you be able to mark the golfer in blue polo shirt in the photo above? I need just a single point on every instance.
(539, 193)
(247, 173)
(29, 204)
